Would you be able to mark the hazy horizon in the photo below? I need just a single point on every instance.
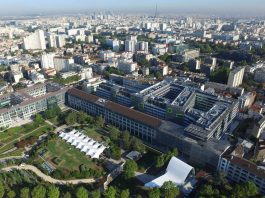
(210, 7)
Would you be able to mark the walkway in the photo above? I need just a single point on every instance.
(48, 178)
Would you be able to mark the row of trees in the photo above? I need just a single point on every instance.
(52, 191)
(123, 140)
(245, 190)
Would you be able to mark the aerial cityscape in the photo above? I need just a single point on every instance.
(132, 99)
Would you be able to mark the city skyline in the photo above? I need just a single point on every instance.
(210, 7)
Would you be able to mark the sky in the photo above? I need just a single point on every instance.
(243, 7)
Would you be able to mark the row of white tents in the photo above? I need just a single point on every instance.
(82, 142)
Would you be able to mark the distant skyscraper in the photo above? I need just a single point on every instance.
(156, 12)
(35, 41)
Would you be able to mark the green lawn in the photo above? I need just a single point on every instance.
(11, 134)
(22, 133)
(70, 158)
(54, 121)
(92, 132)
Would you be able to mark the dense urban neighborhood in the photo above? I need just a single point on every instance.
(105, 104)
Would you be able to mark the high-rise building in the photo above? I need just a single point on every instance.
(60, 41)
(52, 40)
(236, 77)
(62, 63)
(142, 46)
(130, 46)
(35, 41)
(47, 61)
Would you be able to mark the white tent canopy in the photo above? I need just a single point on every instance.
(91, 147)
(177, 172)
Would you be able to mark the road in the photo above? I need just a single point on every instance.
(48, 178)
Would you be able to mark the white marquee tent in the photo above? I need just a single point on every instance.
(87, 145)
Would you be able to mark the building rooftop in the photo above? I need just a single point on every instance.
(128, 112)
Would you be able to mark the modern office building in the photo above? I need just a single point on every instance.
(35, 41)
(202, 115)
(25, 103)
(236, 77)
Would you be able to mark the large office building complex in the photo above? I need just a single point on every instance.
(169, 114)
(202, 115)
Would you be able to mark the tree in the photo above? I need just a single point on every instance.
(137, 145)
(2, 190)
(39, 119)
(129, 169)
(115, 152)
(11, 194)
(114, 133)
(126, 140)
(24, 192)
(53, 192)
(96, 194)
(160, 161)
(206, 191)
(81, 192)
(125, 193)
(154, 193)
(39, 191)
(71, 118)
(250, 189)
(67, 195)
(100, 121)
(220, 75)
(110, 192)
(83, 118)
(170, 190)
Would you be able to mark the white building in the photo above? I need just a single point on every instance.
(37, 77)
(63, 63)
(17, 76)
(35, 41)
(105, 55)
(86, 73)
(47, 61)
(127, 67)
(236, 77)
(52, 41)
